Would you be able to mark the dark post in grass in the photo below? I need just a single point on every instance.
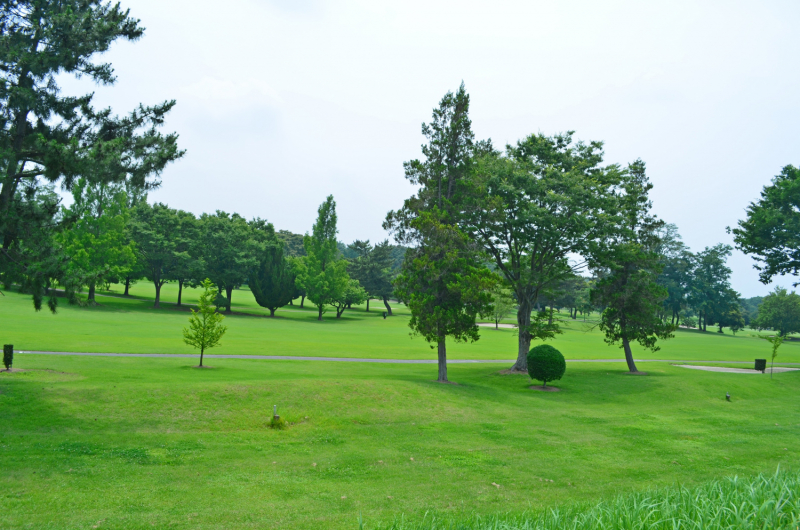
(546, 363)
(8, 355)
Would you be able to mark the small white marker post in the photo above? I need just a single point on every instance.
(275, 413)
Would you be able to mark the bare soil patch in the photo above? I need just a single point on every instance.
(512, 372)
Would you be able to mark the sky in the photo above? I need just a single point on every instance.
(283, 102)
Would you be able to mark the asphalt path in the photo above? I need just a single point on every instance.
(358, 360)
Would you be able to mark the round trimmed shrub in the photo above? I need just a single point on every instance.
(546, 363)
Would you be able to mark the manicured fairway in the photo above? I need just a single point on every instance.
(153, 443)
(131, 325)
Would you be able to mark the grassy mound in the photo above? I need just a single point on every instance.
(766, 501)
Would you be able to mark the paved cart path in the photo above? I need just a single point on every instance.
(356, 359)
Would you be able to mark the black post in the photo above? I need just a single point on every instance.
(8, 355)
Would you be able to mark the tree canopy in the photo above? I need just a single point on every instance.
(771, 231)
(47, 137)
(545, 200)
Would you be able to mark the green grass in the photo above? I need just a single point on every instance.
(131, 325)
(764, 502)
(142, 443)
(133, 443)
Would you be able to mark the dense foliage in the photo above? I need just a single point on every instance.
(771, 231)
(47, 137)
(546, 364)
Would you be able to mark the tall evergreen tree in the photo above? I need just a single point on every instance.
(272, 280)
(323, 274)
(444, 287)
(442, 278)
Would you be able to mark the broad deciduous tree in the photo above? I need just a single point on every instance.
(96, 240)
(547, 199)
(780, 311)
(228, 250)
(372, 267)
(156, 231)
(771, 231)
(205, 325)
(353, 294)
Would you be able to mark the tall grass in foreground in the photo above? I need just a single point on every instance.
(763, 502)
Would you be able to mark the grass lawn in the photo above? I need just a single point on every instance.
(131, 325)
(143, 443)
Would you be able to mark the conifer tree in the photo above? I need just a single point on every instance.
(272, 280)
(323, 274)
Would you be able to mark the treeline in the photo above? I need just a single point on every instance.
(109, 235)
(697, 288)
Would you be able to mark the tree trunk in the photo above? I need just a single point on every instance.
(523, 325)
(90, 298)
(272, 312)
(367, 305)
(550, 319)
(158, 293)
(496, 324)
(629, 355)
(339, 313)
(291, 302)
(704, 322)
(302, 301)
(127, 287)
(319, 317)
(229, 292)
(442, 361)
(180, 291)
(201, 356)
(386, 303)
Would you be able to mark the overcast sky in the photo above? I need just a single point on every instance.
(281, 103)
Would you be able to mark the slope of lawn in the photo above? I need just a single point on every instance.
(131, 325)
(131, 443)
